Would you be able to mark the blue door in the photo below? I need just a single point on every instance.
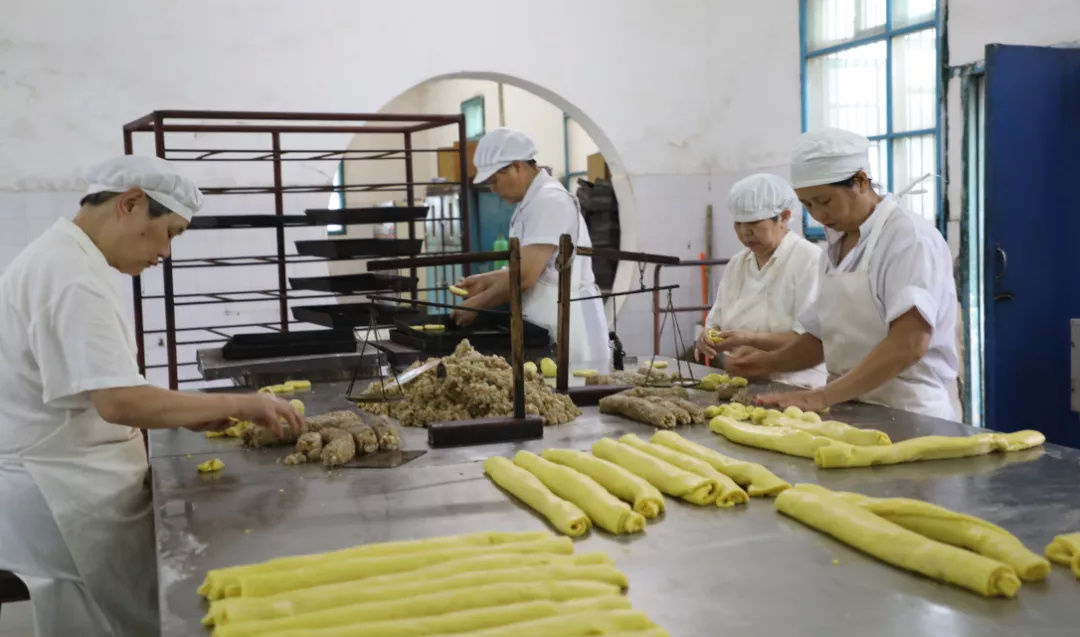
(1032, 237)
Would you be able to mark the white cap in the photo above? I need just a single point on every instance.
(760, 196)
(500, 148)
(828, 155)
(153, 175)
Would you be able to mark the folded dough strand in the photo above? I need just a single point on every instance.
(793, 442)
(663, 475)
(755, 478)
(565, 516)
(623, 484)
(729, 493)
(842, 454)
(1065, 549)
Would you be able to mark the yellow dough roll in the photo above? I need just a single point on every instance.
(465, 620)
(611, 622)
(950, 527)
(648, 632)
(1065, 549)
(565, 516)
(605, 510)
(834, 430)
(756, 479)
(925, 448)
(623, 484)
(217, 580)
(793, 442)
(241, 609)
(663, 475)
(896, 545)
(262, 584)
(437, 603)
(729, 493)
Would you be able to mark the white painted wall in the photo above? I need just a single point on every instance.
(682, 96)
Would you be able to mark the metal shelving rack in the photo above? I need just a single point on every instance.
(274, 127)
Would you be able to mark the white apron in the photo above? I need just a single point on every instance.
(747, 308)
(92, 477)
(852, 326)
(588, 324)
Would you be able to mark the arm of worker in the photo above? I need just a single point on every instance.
(154, 408)
(492, 289)
(802, 352)
(906, 342)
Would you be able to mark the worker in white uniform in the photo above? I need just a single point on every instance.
(76, 523)
(885, 314)
(545, 211)
(767, 285)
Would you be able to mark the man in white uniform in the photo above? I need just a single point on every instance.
(76, 523)
(545, 211)
(766, 286)
(884, 320)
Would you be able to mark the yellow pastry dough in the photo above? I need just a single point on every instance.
(605, 510)
(623, 484)
(565, 516)
(612, 622)
(794, 442)
(217, 580)
(210, 466)
(465, 621)
(834, 430)
(896, 545)
(260, 584)
(925, 448)
(437, 603)
(663, 475)
(307, 600)
(950, 527)
(1065, 549)
(729, 493)
(756, 479)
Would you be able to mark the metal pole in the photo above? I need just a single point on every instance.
(166, 275)
(279, 210)
(517, 330)
(564, 261)
(409, 200)
(136, 288)
(656, 311)
(463, 207)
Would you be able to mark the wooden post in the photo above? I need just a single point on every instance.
(517, 329)
(564, 262)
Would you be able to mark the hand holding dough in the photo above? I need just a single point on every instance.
(623, 484)
(756, 479)
(565, 516)
(663, 475)
(842, 454)
(729, 493)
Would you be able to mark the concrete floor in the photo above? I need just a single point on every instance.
(16, 620)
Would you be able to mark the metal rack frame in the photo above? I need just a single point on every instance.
(275, 125)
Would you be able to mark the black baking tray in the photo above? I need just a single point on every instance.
(350, 315)
(206, 222)
(274, 344)
(352, 248)
(350, 216)
(489, 334)
(347, 283)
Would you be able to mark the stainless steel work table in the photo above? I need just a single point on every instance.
(698, 571)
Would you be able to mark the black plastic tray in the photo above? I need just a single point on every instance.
(351, 248)
(350, 315)
(205, 222)
(348, 283)
(351, 216)
(489, 334)
(272, 344)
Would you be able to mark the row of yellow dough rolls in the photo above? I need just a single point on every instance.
(919, 537)
(830, 453)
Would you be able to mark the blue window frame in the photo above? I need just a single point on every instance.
(873, 66)
(473, 110)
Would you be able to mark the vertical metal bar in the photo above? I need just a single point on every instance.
(890, 186)
(562, 341)
(656, 311)
(166, 275)
(940, 88)
(463, 207)
(136, 289)
(804, 111)
(279, 210)
(566, 148)
(517, 330)
(410, 200)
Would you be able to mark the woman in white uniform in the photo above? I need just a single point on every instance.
(76, 524)
(884, 320)
(766, 286)
(545, 211)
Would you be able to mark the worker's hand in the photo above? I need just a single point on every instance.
(704, 347)
(734, 339)
(749, 362)
(213, 425)
(463, 317)
(271, 412)
(811, 400)
(477, 283)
